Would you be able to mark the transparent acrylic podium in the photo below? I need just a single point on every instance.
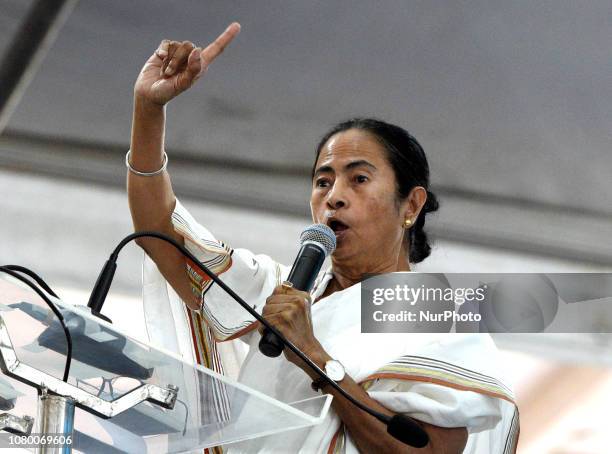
(129, 396)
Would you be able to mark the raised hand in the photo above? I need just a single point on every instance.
(175, 66)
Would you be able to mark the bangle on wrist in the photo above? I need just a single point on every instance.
(145, 174)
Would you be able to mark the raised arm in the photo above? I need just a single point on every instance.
(173, 68)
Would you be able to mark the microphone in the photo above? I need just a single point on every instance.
(317, 242)
(401, 427)
(101, 288)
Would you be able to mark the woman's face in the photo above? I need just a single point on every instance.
(354, 193)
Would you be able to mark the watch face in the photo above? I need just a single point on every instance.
(334, 370)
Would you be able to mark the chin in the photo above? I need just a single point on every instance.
(343, 252)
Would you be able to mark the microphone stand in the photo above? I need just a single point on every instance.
(399, 426)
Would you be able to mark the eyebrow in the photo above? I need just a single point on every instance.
(349, 166)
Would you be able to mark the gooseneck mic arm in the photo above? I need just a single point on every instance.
(399, 426)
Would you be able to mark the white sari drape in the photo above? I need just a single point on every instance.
(450, 380)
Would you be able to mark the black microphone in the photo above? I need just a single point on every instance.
(318, 241)
(101, 288)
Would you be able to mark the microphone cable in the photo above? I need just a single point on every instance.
(14, 270)
(399, 426)
(39, 280)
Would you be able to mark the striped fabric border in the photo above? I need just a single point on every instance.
(417, 368)
(211, 246)
(218, 265)
(216, 405)
(215, 400)
(337, 443)
(513, 434)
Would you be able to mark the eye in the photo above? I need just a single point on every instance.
(322, 183)
(361, 178)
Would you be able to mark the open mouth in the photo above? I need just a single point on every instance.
(337, 226)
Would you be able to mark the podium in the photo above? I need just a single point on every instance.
(121, 395)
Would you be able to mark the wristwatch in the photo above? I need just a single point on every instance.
(334, 370)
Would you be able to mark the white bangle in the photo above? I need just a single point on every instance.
(145, 174)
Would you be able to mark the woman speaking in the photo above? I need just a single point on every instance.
(370, 183)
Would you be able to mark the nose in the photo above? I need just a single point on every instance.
(337, 196)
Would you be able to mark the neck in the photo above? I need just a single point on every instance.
(346, 276)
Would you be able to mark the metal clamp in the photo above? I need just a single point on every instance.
(15, 424)
(11, 366)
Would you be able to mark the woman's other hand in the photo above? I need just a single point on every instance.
(175, 66)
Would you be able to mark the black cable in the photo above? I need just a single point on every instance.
(113, 257)
(53, 308)
(39, 280)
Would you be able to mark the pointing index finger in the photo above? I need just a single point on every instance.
(214, 49)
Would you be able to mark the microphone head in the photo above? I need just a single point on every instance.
(320, 234)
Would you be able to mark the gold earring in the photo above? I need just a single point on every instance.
(407, 223)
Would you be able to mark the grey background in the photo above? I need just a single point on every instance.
(511, 101)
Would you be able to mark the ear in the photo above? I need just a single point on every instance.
(413, 204)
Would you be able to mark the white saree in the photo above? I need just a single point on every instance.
(450, 380)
